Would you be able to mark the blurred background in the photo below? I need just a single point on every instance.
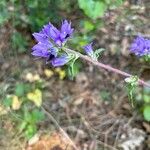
(38, 102)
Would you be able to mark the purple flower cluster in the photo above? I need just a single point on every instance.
(140, 46)
(50, 39)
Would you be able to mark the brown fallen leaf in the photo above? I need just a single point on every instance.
(56, 141)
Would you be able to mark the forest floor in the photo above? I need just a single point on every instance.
(92, 111)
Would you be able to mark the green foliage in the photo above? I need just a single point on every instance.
(27, 112)
(7, 102)
(88, 25)
(20, 89)
(131, 87)
(26, 17)
(147, 58)
(92, 9)
(142, 102)
(146, 103)
(28, 124)
(98, 53)
(146, 112)
(19, 43)
(41, 12)
(5, 14)
(29, 16)
(97, 8)
(73, 69)
(105, 95)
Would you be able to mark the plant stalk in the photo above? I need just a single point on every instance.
(104, 66)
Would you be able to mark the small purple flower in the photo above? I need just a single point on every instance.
(140, 46)
(66, 30)
(42, 50)
(88, 49)
(58, 36)
(60, 61)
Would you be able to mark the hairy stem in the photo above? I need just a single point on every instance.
(104, 66)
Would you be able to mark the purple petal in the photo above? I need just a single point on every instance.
(88, 49)
(41, 46)
(51, 32)
(40, 53)
(65, 26)
(46, 30)
(59, 42)
(43, 50)
(54, 32)
(40, 37)
(60, 61)
(66, 30)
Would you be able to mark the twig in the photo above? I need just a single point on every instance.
(106, 145)
(104, 66)
(107, 132)
(58, 126)
(117, 136)
(88, 126)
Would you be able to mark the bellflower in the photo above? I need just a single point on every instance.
(50, 39)
(60, 61)
(88, 49)
(42, 50)
(58, 36)
(66, 30)
(140, 46)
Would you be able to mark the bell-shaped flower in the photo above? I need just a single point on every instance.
(60, 61)
(88, 49)
(140, 46)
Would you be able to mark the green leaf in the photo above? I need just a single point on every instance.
(119, 2)
(146, 113)
(27, 116)
(22, 126)
(20, 89)
(88, 26)
(146, 98)
(105, 95)
(7, 102)
(37, 115)
(132, 83)
(147, 89)
(147, 58)
(99, 9)
(72, 68)
(19, 42)
(30, 131)
(98, 52)
(92, 9)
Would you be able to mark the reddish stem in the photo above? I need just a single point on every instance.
(104, 66)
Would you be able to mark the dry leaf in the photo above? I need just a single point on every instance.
(48, 73)
(61, 73)
(31, 78)
(34, 139)
(35, 97)
(3, 110)
(16, 103)
(54, 142)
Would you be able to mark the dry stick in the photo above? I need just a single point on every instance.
(104, 66)
(58, 126)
